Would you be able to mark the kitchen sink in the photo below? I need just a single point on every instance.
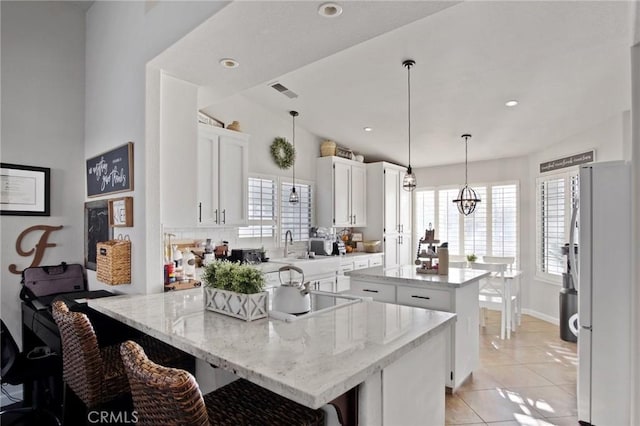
(311, 267)
(321, 301)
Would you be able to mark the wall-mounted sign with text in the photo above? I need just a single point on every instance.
(110, 172)
(570, 161)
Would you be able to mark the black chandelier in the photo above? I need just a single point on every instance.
(467, 197)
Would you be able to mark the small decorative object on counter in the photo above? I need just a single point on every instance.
(114, 261)
(425, 257)
(472, 258)
(443, 259)
(236, 290)
(177, 261)
(189, 265)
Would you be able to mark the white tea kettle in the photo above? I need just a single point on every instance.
(292, 297)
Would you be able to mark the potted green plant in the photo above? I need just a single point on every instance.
(235, 289)
(471, 258)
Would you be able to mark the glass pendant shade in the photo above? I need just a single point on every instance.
(294, 198)
(467, 197)
(409, 180)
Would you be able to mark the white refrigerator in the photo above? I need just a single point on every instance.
(604, 294)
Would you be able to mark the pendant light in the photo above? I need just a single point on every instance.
(294, 198)
(467, 197)
(409, 181)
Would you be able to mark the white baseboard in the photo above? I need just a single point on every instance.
(14, 391)
(541, 316)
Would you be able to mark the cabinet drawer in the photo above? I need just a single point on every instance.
(346, 266)
(375, 261)
(380, 292)
(360, 264)
(438, 300)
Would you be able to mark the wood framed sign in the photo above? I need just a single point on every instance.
(111, 171)
(121, 212)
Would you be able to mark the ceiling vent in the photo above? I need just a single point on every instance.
(284, 90)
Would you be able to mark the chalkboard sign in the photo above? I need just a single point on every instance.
(96, 229)
(110, 172)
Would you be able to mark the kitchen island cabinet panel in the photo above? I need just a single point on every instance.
(456, 293)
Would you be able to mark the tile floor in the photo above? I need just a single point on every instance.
(527, 380)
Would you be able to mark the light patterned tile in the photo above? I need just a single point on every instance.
(490, 356)
(557, 374)
(518, 376)
(480, 379)
(571, 389)
(495, 405)
(458, 412)
(550, 401)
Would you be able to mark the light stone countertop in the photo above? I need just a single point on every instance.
(407, 275)
(310, 361)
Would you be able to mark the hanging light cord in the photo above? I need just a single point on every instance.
(409, 108)
(293, 119)
(466, 139)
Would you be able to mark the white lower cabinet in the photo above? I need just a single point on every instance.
(463, 350)
(353, 263)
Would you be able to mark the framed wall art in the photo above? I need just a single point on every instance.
(121, 212)
(111, 171)
(24, 190)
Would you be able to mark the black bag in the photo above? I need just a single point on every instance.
(52, 280)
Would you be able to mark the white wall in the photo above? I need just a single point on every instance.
(611, 140)
(121, 38)
(43, 125)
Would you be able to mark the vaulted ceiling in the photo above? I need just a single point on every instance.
(567, 64)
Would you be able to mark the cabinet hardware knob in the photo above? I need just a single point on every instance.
(369, 291)
(421, 297)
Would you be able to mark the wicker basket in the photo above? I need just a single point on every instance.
(114, 261)
(328, 148)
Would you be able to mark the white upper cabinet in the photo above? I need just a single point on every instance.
(342, 192)
(222, 177)
(391, 199)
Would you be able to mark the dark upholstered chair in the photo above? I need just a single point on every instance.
(96, 375)
(20, 368)
(169, 396)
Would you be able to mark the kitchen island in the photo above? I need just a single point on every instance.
(455, 292)
(378, 347)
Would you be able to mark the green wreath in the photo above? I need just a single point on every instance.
(283, 153)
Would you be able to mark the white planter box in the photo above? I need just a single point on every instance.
(248, 307)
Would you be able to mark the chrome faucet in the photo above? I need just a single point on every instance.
(287, 241)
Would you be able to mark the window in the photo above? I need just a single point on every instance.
(475, 226)
(555, 196)
(264, 216)
(504, 220)
(491, 230)
(261, 209)
(295, 217)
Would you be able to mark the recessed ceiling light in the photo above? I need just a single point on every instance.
(330, 10)
(229, 63)
(368, 129)
(511, 103)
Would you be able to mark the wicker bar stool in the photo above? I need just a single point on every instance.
(96, 375)
(169, 396)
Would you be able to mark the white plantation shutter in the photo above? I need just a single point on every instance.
(504, 220)
(425, 203)
(261, 209)
(295, 217)
(475, 226)
(492, 229)
(551, 225)
(448, 229)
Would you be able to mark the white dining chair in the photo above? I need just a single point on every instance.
(492, 296)
(515, 288)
